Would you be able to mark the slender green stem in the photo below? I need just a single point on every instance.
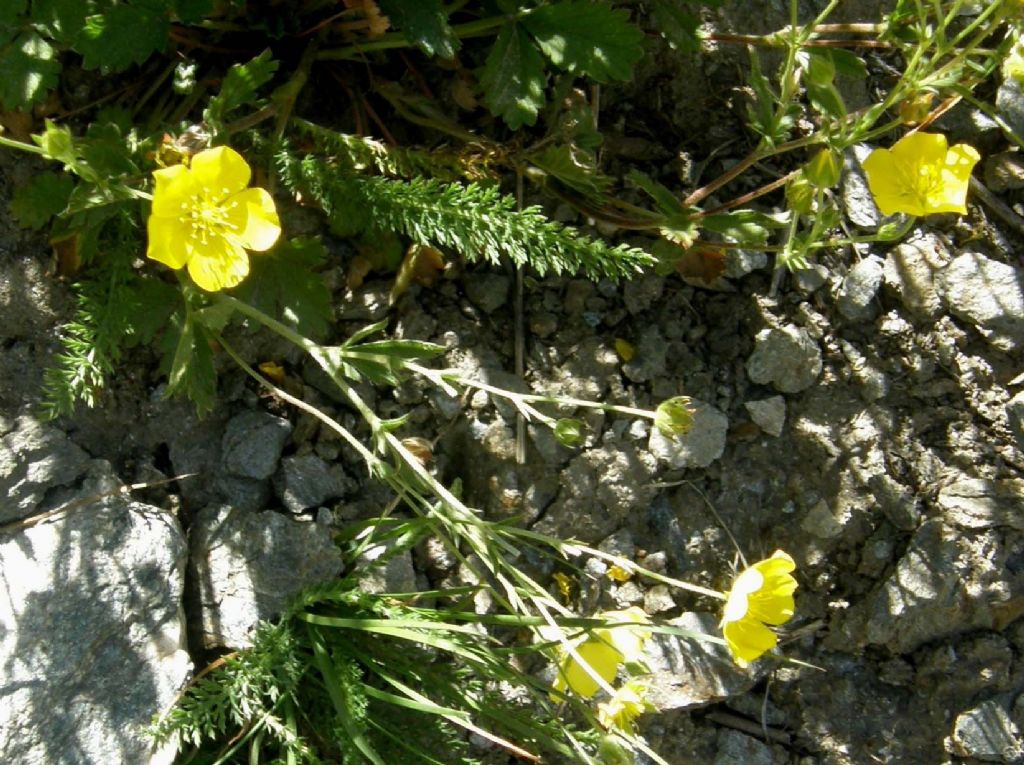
(21, 146)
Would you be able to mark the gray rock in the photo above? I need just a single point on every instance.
(899, 504)
(735, 748)
(243, 493)
(1004, 172)
(35, 458)
(810, 279)
(742, 262)
(253, 442)
(978, 503)
(600, 488)
(381, 570)
(786, 357)
(649, 361)
(1010, 103)
(307, 481)
(989, 295)
(768, 414)
(949, 581)
(658, 599)
(701, 445)
(93, 636)
(641, 293)
(987, 733)
(488, 291)
(247, 565)
(911, 269)
(825, 522)
(689, 673)
(1015, 416)
(856, 299)
(857, 198)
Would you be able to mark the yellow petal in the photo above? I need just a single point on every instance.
(889, 186)
(626, 639)
(174, 188)
(252, 212)
(956, 178)
(221, 264)
(917, 149)
(169, 241)
(601, 657)
(220, 172)
(748, 639)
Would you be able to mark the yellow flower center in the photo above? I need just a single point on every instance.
(206, 217)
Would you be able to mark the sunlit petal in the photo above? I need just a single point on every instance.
(220, 265)
(600, 656)
(168, 242)
(253, 214)
(174, 187)
(221, 171)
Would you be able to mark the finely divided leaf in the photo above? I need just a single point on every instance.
(284, 283)
(513, 78)
(45, 195)
(122, 36)
(424, 23)
(28, 69)
(591, 39)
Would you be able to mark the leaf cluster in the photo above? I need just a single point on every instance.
(478, 222)
(344, 675)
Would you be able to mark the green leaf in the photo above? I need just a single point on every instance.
(284, 283)
(667, 202)
(746, 227)
(151, 305)
(10, 10)
(124, 35)
(105, 150)
(587, 38)
(848, 63)
(192, 372)
(677, 26)
(192, 11)
(63, 20)
(424, 23)
(513, 78)
(29, 68)
(43, 197)
(240, 86)
(574, 167)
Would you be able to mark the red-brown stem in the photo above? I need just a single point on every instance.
(759, 192)
(763, 40)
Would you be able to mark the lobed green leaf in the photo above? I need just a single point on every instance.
(586, 38)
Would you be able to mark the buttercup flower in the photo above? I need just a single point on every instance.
(205, 218)
(603, 649)
(761, 595)
(921, 175)
(624, 707)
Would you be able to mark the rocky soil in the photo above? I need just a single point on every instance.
(866, 415)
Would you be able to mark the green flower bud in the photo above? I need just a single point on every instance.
(824, 169)
(674, 417)
(570, 432)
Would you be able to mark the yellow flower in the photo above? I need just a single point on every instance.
(603, 650)
(761, 595)
(624, 707)
(205, 218)
(921, 175)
